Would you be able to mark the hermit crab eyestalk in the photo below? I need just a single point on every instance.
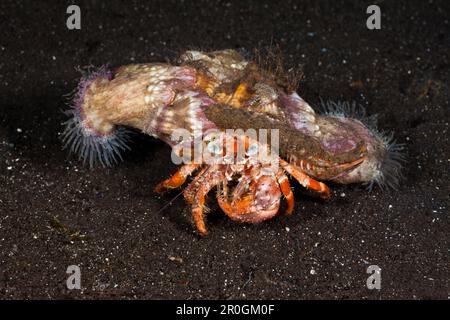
(345, 125)
(89, 132)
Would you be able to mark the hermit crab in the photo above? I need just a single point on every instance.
(221, 104)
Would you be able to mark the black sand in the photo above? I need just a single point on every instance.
(55, 213)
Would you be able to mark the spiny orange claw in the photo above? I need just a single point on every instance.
(177, 179)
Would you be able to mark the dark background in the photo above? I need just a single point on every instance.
(54, 212)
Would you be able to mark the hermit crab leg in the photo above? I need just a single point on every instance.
(306, 181)
(177, 179)
(209, 180)
(190, 191)
(285, 188)
(237, 205)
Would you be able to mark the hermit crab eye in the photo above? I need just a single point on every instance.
(213, 147)
(252, 149)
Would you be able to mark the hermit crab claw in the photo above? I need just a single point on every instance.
(260, 202)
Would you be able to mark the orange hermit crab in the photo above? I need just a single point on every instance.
(205, 96)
